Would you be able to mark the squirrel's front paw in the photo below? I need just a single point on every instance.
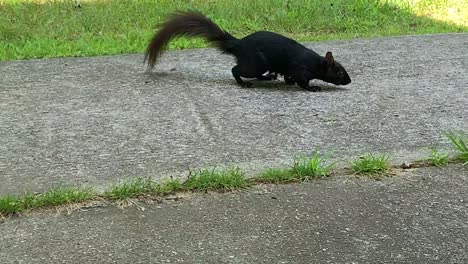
(289, 81)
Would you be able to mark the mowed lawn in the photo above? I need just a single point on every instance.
(41, 28)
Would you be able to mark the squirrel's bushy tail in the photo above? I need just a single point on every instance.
(188, 23)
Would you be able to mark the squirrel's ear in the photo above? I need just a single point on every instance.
(329, 58)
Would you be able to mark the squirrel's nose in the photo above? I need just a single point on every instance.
(348, 80)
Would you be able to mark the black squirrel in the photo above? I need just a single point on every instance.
(256, 54)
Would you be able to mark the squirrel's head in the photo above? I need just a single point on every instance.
(333, 72)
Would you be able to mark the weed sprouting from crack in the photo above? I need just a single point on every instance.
(438, 158)
(371, 164)
(214, 179)
(305, 167)
(459, 141)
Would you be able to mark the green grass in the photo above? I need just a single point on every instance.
(10, 204)
(58, 196)
(304, 168)
(277, 175)
(131, 188)
(56, 28)
(438, 158)
(459, 141)
(213, 179)
(134, 187)
(371, 164)
(170, 186)
(203, 180)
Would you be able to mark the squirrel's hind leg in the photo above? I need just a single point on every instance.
(247, 72)
(289, 80)
(236, 72)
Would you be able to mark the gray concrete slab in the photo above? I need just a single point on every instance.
(96, 120)
(419, 216)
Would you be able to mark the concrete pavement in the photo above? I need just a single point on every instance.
(418, 216)
(93, 121)
(79, 121)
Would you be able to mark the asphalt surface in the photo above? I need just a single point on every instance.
(79, 121)
(93, 121)
(416, 216)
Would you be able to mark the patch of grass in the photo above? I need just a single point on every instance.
(438, 159)
(371, 164)
(202, 180)
(10, 205)
(306, 167)
(40, 28)
(460, 141)
(60, 196)
(213, 179)
(53, 197)
(276, 175)
(170, 186)
(131, 188)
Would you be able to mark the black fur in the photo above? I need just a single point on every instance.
(256, 54)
